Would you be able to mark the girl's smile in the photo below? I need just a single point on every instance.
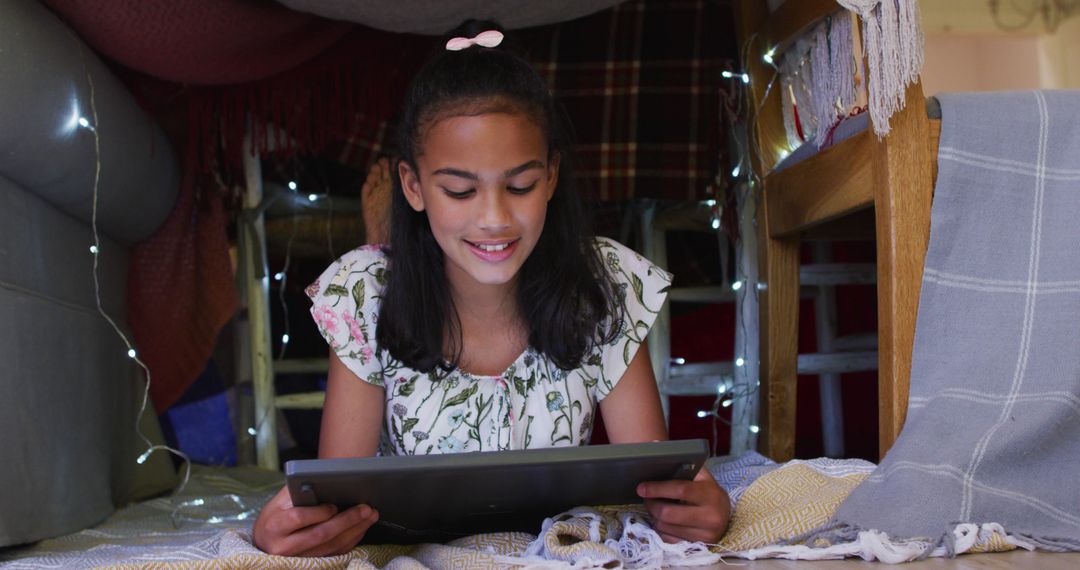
(493, 251)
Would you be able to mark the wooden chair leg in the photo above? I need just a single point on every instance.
(903, 181)
(779, 326)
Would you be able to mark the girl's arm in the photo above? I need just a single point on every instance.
(681, 510)
(352, 415)
(352, 421)
(632, 411)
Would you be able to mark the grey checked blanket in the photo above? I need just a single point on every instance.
(993, 427)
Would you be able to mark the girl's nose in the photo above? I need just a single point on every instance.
(494, 212)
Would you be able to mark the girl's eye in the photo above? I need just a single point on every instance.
(458, 195)
(525, 190)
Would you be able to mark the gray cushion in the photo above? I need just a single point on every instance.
(68, 391)
(42, 146)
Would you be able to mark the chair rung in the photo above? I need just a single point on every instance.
(701, 369)
(855, 342)
(697, 379)
(712, 294)
(837, 274)
(695, 384)
(302, 366)
(301, 401)
(838, 362)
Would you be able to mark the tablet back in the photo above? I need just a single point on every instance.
(435, 497)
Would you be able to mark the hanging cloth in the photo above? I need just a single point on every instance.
(893, 42)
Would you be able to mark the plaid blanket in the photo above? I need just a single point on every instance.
(993, 428)
(641, 84)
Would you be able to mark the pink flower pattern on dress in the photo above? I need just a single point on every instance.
(354, 328)
(325, 317)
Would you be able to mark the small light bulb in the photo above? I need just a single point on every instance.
(142, 458)
(716, 223)
(726, 403)
(680, 361)
(702, 413)
(93, 249)
(710, 203)
(736, 285)
(735, 171)
(279, 276)
(312, 197)
(762, 286)
(769, 56)
(739, 362)
(754, 429)
(746, 78)
(83, 122)
(284, 339)
(721, 389)
(292, 185)
(727, 74)
(784, 154)
(251, 430)
(131, 353)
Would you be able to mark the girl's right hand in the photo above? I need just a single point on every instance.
(286, 530)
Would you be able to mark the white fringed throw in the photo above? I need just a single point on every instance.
(893, 41)
(818, 78)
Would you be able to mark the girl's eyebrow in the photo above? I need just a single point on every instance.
(473, 176)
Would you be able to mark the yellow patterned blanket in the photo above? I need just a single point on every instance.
(208, 527)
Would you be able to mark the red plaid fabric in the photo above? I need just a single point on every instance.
(642, 86)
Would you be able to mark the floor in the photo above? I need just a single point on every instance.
(1001, 560)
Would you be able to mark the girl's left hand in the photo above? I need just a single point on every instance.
(696, 510)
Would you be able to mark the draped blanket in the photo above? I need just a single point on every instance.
(992, 437)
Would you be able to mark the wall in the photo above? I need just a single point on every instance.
(967, 51)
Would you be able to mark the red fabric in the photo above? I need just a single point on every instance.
(204, 42)
(181, 291)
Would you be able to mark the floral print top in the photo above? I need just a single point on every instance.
(532, 404)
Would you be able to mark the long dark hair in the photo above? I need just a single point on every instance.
(564, 294)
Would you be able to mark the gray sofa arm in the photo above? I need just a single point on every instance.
(68, 391)
(45, 150)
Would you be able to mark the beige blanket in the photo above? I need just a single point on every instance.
(209, 527)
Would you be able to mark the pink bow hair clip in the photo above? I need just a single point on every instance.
(490, 38)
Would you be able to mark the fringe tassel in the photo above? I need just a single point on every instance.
(587, 538)
(893, 41)
(818, 79)
(824, 92)
(845, 541)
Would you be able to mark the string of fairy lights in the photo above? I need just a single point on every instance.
(92, 124)
(744, 180)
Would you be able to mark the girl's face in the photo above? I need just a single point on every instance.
(485, 182)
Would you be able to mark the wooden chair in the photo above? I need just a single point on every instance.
(847, 189)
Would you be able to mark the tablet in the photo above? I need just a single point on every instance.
(439, 497)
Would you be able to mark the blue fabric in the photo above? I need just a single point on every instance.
(199, 424)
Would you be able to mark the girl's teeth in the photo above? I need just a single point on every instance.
(493, 247)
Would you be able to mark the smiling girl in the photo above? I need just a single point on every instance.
(493, 320)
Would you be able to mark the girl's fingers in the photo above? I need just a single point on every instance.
(319, 534)
(683, 515)
(347, 539)
(675, 533)
(291, 518)
(684, 491)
